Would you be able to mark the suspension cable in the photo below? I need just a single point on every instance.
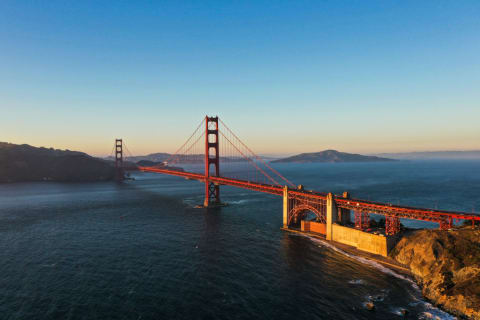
(271, 179)
(258, 158)
(173, 155)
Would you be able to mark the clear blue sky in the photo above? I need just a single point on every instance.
(286, 76)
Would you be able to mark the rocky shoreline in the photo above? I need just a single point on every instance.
(446, 264)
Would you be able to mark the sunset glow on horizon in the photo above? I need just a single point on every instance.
(287, 77)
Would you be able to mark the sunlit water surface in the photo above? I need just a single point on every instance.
(142, 251)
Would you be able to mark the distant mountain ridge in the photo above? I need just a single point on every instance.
(160, 157)
(22, 163)
(153, 157)
(25, 163)
(330, 156)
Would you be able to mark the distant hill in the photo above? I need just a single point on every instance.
(432, 155)
(148, 163)
(20, 163)
(153, 157)
(160, 165)
(160, 157)
(330, 156)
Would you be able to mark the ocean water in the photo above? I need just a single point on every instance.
(140, 250)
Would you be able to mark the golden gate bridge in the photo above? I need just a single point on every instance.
(213, 145)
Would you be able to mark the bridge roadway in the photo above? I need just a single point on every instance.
(345, 203)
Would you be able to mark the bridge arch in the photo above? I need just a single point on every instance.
(300, 209)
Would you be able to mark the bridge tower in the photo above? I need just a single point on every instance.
(212, 190)
(119, 173)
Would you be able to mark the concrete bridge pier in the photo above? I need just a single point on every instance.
(332, 215)
(336, 228)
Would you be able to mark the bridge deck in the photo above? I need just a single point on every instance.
(351, 204)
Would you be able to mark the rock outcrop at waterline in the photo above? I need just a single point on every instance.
(447, 265)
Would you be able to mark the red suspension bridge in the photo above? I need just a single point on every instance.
(213, 143)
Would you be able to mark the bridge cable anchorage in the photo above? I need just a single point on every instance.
(257, 157)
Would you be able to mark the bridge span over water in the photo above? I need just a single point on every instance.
(215, 146)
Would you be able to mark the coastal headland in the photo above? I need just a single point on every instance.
(444, 263)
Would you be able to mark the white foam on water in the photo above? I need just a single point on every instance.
(356, 281)
(436, 313)
(397, 311)
(366, 261)
(49, 265)
(189, 202)
(242, 201)
(192, 202)
(432, 313)
(377, 297)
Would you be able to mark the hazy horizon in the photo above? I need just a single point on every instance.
(274, 155)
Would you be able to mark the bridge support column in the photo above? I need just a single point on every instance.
(212, 190)
(286, 207)
(446, 224)
(332, 213)
(392, 225)
(344, 214)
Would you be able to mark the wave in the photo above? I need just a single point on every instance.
(431, 313)
(49, 265)
(356, 281)
(199, 200)
(242, 201)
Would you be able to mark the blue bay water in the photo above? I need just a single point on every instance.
(141, 250)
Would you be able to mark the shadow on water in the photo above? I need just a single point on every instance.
(64, 200)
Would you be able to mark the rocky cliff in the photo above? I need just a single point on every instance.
(447, 265)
